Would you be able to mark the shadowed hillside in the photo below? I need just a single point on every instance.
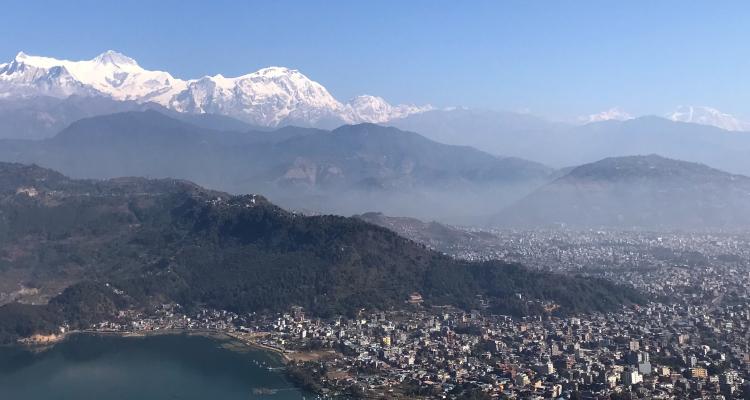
(638, 192)
(152, 241)
(352, 169)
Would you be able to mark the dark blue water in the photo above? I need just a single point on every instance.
(157, 367)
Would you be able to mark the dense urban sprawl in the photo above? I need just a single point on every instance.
(691, 341)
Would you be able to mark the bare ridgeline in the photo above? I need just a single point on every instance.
(625, 274)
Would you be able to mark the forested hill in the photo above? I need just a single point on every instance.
(643, 192)
(131, 242)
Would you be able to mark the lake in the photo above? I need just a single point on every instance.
(153, 367)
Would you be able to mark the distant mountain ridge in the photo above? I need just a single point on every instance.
(366, 167)
(440, 237)
(562, 145)
(647, 192)
(272, 96)
(708, 116)
(39, 96)
(352, 169)
(44, 117)
(91, 248)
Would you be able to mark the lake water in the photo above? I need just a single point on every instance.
(157, 367)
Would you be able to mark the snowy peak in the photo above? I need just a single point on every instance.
(708, 116)
(276, 72)
(118, 60)
(374, 109)
(36, 61)
(613, 114)
(109, 74)
(289, 84)
(33, 76)
(268, 97)
(370, 108)
(271, 96)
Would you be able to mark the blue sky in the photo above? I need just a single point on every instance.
(559, 59)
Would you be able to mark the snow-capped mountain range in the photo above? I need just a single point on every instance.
(269, 97)
(702, 115)
(708, 116)
(613, 114)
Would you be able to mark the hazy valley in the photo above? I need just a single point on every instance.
(552, 203)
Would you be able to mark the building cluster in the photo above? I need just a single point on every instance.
(660, 351)
(692, 340)
(170, 317)
(576, 251)
(655, 351)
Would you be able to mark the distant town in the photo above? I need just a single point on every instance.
(691, 341)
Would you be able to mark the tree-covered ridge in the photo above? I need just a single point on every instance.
(644, 192)
(133, 242)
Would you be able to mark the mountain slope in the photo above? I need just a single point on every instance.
(272, 96)
(352, 169)
(562, 145)
(134, 242)
(394, 156)
(496, 132)
(639, 191)
(43, 117)
(653, 135)
(110, 73)
(444, 238)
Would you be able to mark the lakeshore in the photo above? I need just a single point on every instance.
(186, 365)
(233, 340)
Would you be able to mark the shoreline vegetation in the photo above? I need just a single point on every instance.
(235, 341)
